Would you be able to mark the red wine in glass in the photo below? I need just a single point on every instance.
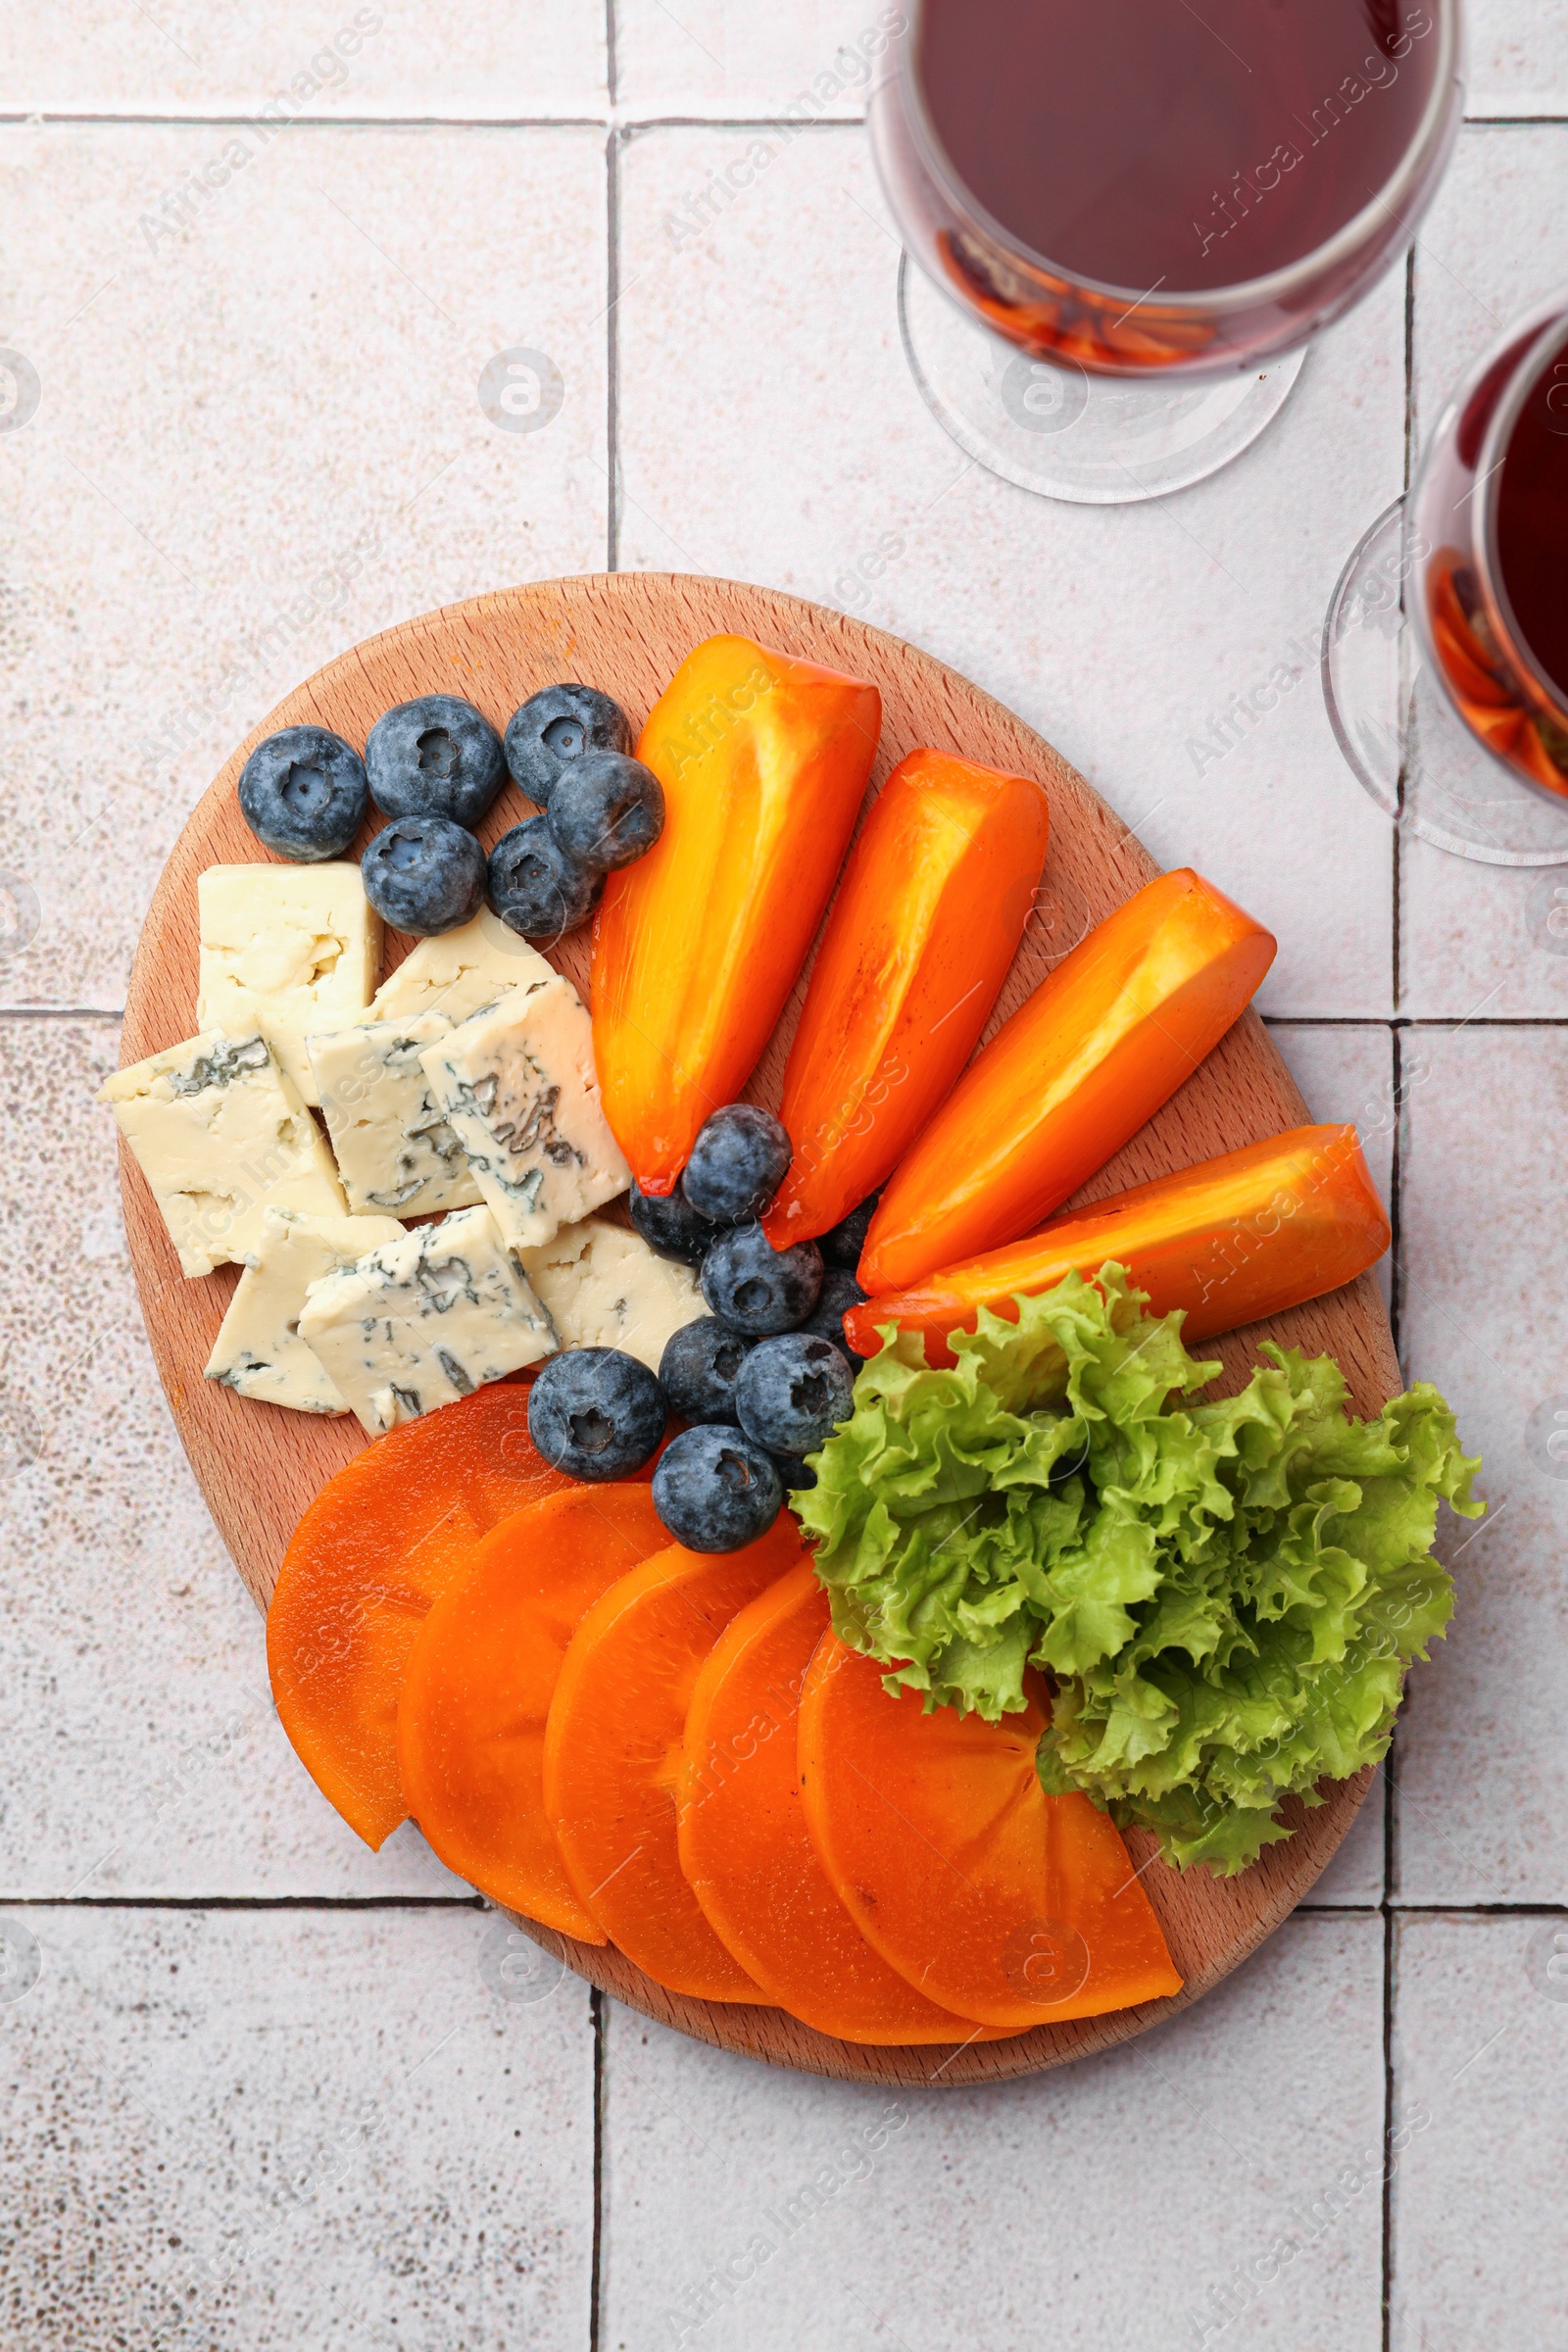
(1162, 189)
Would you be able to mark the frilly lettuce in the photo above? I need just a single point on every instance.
(1224, 1596)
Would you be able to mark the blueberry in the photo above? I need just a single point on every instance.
(842, 1246)
(793, 1393)
(716, 1489)
(758, 1287)
(798, 1477)
(556, 726)
(534, 886)
(606, 811)
(839, 1292)
(671, 1226)
(699, 1366)
(596, 1413)
(436, 757)
(737, 1163)
(424, 875)
(302, 793)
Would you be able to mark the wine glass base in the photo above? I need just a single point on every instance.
(1093, 440)
(1403, 736)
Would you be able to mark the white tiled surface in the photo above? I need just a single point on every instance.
(264, 426)
(525, 60)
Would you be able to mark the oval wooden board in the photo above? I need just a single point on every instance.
(259, 1466)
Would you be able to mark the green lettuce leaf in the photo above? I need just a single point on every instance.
(1223, 1596)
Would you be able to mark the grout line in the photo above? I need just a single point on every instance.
(1396, 845)
(595, 2011)
(244, 1903)
(612, 349)
(1396, 1206)
(1511, 122)
(11, 119)
(611, 72)
(1386, 2249)
(62, 1013)
(1414, 1020)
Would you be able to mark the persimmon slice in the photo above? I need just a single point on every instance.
(612, 1753)
(989, 1896)
(478, 1685)
(743, 1844)
(377, 1548)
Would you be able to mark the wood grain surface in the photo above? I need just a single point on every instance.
(259, 1466)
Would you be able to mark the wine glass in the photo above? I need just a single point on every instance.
(1445, 648)
(1112, 292)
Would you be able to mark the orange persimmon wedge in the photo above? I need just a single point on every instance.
(613, 1753)
(1104, 1041)
(925, 925)
(764, 761)
(478, 1685)
(378, 1546)
(989, 1896)
(1227, 1242)
(743, 1844)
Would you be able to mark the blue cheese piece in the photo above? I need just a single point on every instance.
(518, 1084)
(396, 1152)
(460, 973)
(603, 1287)
(259, 1352)
(285, 949)
(424, 1320)
(220, 1135)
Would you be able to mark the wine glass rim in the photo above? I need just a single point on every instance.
(1548, 344)
(1246, 293)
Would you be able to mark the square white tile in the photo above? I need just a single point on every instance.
(259, 438)
(257, 2132)
(1480, 2239)
(1480, 938)
(513, 58)
(144, 1753)
(1517, 56)
(771, 429)
(1483, 1771)
(1193, 2176)
(812, 60)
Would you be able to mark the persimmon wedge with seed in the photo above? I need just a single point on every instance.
(613, 1753)
(743, 1844)
(478, 1685)
(923, 934)
(1228, 1241)
(376, 1551)
(988, 1895)
(1104, 1041)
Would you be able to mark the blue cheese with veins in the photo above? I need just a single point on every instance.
(259, 1352)
(397, 1151)
(285, 949)
(518, 1084)
(603, 1287)
(220, 1135)
(458, 972)
(422, 1321)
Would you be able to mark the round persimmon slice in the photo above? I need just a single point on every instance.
(478, 1684)
(614, 1748)
(988, 1895)
(743, 1844)
(376, 1551)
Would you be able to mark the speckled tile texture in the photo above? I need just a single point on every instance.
(264, 2088)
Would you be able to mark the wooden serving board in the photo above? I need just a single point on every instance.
(259, 1466)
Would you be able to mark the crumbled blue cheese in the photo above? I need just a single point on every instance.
(259, 1352)
(424, 1320)
(603, 1287)
(459, 972)
(396, 1152)
(219, 1133)
(518, 1084)
(285, 949)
